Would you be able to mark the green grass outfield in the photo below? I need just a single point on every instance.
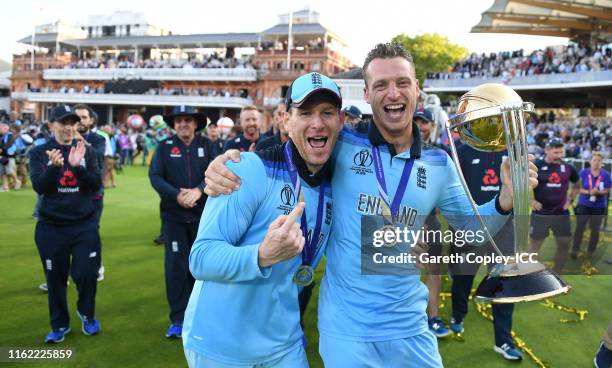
(132, 308)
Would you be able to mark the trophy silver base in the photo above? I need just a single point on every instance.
(519, 282)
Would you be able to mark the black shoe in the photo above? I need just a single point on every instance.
(159, 240)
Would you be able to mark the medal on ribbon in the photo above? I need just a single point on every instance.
(304, 275)
(593, 198)
(390, 208)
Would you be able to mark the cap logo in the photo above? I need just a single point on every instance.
(182, 108)
(67, 108)
(316, 80)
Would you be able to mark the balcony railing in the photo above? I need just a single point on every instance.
(530, 82)
(137, 100)
(168, 74)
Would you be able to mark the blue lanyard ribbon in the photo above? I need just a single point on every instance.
(310, 246)
(392, 206)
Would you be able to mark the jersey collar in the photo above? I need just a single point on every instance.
(313, 180)
(377, 139)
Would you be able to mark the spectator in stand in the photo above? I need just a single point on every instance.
(507, 65)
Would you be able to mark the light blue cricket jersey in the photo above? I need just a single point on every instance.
(239, 313)
(369, 308)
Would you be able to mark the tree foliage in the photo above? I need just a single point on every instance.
(431, 52)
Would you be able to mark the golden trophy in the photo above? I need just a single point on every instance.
(491, 117)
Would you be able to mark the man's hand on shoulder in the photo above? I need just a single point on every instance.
(218, 178)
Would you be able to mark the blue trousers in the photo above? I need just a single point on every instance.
(420, 351)
(69, 249)
(502, 313)
(178, 238)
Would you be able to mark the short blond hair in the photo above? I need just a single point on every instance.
(249, 108)
(597, 153)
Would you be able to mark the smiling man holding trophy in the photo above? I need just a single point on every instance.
(491, 117)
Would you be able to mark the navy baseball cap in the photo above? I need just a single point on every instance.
(555, 142)
(352, 111)
(308, 84)
(424, 115)
(62, 113)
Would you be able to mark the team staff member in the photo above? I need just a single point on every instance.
(250, 120)
(64, 171)
(482, 174)
(84, 127)
(177, 174)
(380, 320)
(592, 203)
(551, 203)
(212, 133)
(280, 126)
(352, 115)
(247, 255)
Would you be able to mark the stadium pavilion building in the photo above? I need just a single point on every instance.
(147, 70)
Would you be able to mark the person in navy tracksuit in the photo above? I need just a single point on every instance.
(177, 174)
(483, 177)
(98, 143)
(64, 171)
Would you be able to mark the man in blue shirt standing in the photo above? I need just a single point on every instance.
(251, 258)
(176, 173)
(379, 320)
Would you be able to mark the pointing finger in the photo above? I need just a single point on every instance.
(295, 214)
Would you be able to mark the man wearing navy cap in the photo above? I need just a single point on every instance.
(551, 202)
(64, 171)
(251, 258)
(352, 115)
(177, 174)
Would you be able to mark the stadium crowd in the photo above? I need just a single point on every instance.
(210, 92)
(575, 58)
(214, 61)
